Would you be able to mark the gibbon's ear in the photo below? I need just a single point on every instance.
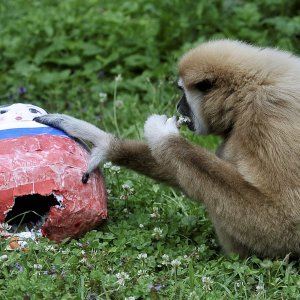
(204, 85)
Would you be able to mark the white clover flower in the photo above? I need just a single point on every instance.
(213, 242)
(122, 277)
(3, 233)
(128, 188)
(5, 227)
(176, 262)
(103, 97)
(107, 165)
(206, 279)
(82, 252)
(37, 266)
(207, 282)
(94, 252)
(155, 213)
(66, 252)
(165, 259)
(119, 103)
(142, 256)
(157, 232)
(83, 260)
(118, 78)
(260, 288)
(142, 272)
(201, 249)
(125, 186)
(129, 298)
(193, 296)
(183, 120)
(238, 284)
(115, 169)
(141, 226)
(3, 257)
(50, 248)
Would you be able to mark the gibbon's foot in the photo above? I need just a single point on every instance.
(85, 131)
(158, 128)
(53, 120)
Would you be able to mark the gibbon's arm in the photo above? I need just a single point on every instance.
(129, 153)
(239, 208)
(137, 156)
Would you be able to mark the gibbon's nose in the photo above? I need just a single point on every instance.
(180, 105)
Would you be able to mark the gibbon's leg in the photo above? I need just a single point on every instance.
(234, 204)
(131, 154)
(230, 244)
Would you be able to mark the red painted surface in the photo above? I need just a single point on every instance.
(46, 164)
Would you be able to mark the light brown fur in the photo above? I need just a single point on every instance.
(252, 187)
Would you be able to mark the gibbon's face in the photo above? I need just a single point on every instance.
(190, 105)
(208, 90)
(219, 80)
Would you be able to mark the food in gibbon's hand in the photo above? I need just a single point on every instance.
(248, 96)
(182, 120)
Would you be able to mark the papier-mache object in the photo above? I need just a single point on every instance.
(40, 177)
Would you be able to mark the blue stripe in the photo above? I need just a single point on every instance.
(17, 132)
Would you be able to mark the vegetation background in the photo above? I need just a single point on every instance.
(113, 63)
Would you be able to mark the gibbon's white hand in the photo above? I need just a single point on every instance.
(158, 128)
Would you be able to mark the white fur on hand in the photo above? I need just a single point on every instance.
(158, 128)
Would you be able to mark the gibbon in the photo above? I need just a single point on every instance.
(248, 96)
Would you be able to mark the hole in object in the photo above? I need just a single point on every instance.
(30, 209)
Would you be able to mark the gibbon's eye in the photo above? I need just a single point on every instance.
(3, 112)
(34, 111)
(204, 85)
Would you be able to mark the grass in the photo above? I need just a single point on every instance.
(156, 243)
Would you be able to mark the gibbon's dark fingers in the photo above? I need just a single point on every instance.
(98, 155)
